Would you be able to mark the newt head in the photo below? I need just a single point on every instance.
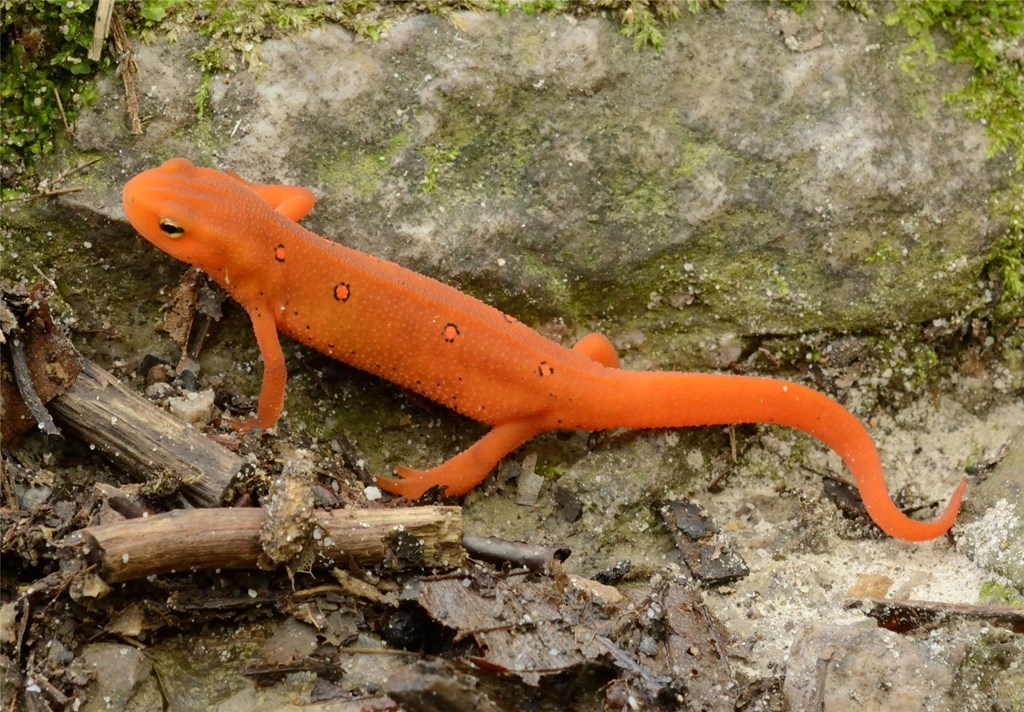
(198, 215)
(171, 206)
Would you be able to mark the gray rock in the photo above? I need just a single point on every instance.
(194, 407)
(995, 537)
(861, 667)
(540, 162)
(124, 679)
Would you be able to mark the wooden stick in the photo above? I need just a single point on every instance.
(143, 439)
(100, 29)
(187, 540)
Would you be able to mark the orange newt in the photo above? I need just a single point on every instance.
(452, 348)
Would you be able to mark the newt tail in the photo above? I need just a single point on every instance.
(660, 399)
(653, 399)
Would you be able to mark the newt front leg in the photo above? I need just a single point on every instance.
(275, 375)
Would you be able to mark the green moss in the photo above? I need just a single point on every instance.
(797, 6)
(990, 676)
(862, 7)
(995, 593)
(694, 157)
(440, 160)
(364, 167)
(884, 251)
(210, 61)
(1005, 267)
(642, 19)
(531, 7)
(29, 248)
(552, 471)
(985, 35)
(240, 26)
(45, 74)
(482, 142)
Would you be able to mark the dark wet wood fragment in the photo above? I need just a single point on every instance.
(569, 501)
(658, 646)
(189, 311)
(843, 494)
(41, 358)
(437, 686)
(902, 616)
(707, 554)
(615, 573)
(23, 379)
(697, 644)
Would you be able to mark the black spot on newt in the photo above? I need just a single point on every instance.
(450, 331)
(279, 253)
(342, 291)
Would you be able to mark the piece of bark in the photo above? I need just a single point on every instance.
(143, 439)
(186, 540)
(31, 399)
(291, 519)
(49, 361)
(662, 644)
(438, 686)
(707, 553)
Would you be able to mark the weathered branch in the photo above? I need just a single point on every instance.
(186, 540)
(143, 439)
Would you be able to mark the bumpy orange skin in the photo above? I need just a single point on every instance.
(452, 348)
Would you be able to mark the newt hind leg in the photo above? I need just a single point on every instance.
(466, 470)
(598, 348)
(470, 467)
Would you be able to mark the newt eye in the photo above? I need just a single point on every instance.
(171, 228)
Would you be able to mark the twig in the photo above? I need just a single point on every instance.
(499, 551)
(129, 73)
(65, 174)
(63, 116)
(902, 615)
(186, 540)
(45, 194)
(101, 28)
(22, 377)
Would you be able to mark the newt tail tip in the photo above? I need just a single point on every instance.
(915, 531)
